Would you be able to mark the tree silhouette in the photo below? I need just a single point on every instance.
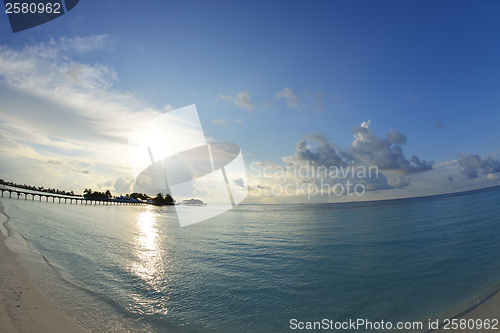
(163, 200)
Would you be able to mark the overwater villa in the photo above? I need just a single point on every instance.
(193, 202)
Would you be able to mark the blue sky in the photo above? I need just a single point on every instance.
(264, 75)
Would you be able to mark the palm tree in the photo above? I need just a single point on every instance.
(168, 199)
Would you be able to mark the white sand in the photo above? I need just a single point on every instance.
(24, 307)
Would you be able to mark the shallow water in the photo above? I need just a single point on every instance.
(254, 268)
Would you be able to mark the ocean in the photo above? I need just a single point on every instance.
(257, 267)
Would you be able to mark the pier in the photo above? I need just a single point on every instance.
(92, 201)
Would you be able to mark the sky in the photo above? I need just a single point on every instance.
(409, 88)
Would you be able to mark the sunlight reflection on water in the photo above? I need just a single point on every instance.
(150, 260)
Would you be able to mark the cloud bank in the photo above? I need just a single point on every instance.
(367, 149)
(471, 165)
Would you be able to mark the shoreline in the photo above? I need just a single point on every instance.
(487, 308)
(24, 306)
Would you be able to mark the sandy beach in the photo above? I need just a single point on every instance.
(24, 307)
(488, 309)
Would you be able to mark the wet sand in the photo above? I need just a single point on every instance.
(24, 307)
(488, 309)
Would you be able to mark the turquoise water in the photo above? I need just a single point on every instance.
(256, 267)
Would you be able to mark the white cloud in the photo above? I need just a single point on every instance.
(220, 122)
(492, 176)
(21, 134)
(396, 137)
(123, 186)
(83, 44)
(242, 100)
(367, 150)
(472, 165)
(56, 110)
(292, 99)
(239, 182)
(308, 100)
(73, 73)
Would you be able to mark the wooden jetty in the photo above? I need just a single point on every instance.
(54, 197)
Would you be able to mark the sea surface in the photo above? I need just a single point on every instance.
(256, 267)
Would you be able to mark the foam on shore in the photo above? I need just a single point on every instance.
(24, 307)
